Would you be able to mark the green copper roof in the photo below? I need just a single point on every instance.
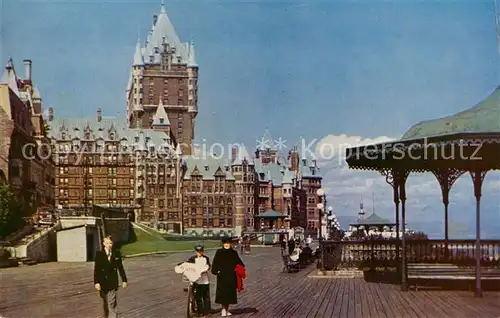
(270, 214)
(484, 117)
(374, 220)
(207, 167)
(108, 128)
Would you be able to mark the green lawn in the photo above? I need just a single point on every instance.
(148, 243)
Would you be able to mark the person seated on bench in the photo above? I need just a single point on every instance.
(306, 254)
(291, 246)
(295, 254)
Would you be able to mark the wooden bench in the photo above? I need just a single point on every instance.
(289, 265)
(420, 275)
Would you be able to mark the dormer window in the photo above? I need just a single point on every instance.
(162, 120)
(63, 136)
(206, 168)
(112, 136)
(157, 50)
(136, 139)
(87, 135)
(151, 59)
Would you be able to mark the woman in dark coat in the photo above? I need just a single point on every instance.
(224, 265)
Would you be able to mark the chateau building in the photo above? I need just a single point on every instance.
(164, 71)
(145, 162)
(25, 161)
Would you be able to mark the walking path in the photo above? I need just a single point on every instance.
(66, 290)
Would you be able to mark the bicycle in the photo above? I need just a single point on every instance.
(190, 274)
(191, 308)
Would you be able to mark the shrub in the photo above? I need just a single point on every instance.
(4, 253)
(11, 217)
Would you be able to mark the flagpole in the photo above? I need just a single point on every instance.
(497, 24)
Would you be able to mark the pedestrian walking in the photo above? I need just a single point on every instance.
(108, 263)
(224, 265)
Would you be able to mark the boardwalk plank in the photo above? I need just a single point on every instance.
(66, 290)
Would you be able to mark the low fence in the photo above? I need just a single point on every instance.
(387, 253)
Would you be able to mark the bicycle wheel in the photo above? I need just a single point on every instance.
(191, 303)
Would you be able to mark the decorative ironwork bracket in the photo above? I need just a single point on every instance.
(478, 178)
(446, 178)
(397, 180)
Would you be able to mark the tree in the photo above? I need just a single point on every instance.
(11, 218)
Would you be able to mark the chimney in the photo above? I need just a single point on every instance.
(99, 114)
(294, 161)
(51, 113)
(234, 152)
(155, 19)
(27, 70)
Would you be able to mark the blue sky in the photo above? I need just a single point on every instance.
(298, 68)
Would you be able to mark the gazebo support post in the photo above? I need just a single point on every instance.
(397, 180)
(477, 179)
(389, 178)
(401, 182)
(446, 178)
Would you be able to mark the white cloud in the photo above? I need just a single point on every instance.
(333, 147)
(345, 187)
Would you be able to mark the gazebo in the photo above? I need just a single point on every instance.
(271, 219)
(373, 222)
(467, 142)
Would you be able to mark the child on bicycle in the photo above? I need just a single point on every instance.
(202, 285)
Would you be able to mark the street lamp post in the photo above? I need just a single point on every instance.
(331, 218)
(321, 209)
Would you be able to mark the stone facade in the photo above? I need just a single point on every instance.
(25, 161)
(100, 161)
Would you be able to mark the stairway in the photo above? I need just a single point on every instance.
(27, 261)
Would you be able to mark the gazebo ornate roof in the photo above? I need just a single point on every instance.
(484, 117)
(270, 214)
(374, 219)
(466, 141)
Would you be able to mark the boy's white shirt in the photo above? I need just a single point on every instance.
(202, 263)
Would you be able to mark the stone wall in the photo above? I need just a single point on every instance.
(43, 247)
(72, 244)
(119, 229)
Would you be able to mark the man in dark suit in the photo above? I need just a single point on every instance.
(108, 263)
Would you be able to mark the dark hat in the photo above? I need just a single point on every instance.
(199, 247)
(226, 239)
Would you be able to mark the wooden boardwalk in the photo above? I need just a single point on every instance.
(66, 290)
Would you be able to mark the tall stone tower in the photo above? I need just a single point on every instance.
(164, 75)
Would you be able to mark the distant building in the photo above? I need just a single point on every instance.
(25, 161)
(288, 186)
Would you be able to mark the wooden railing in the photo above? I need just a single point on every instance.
(387, 253)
